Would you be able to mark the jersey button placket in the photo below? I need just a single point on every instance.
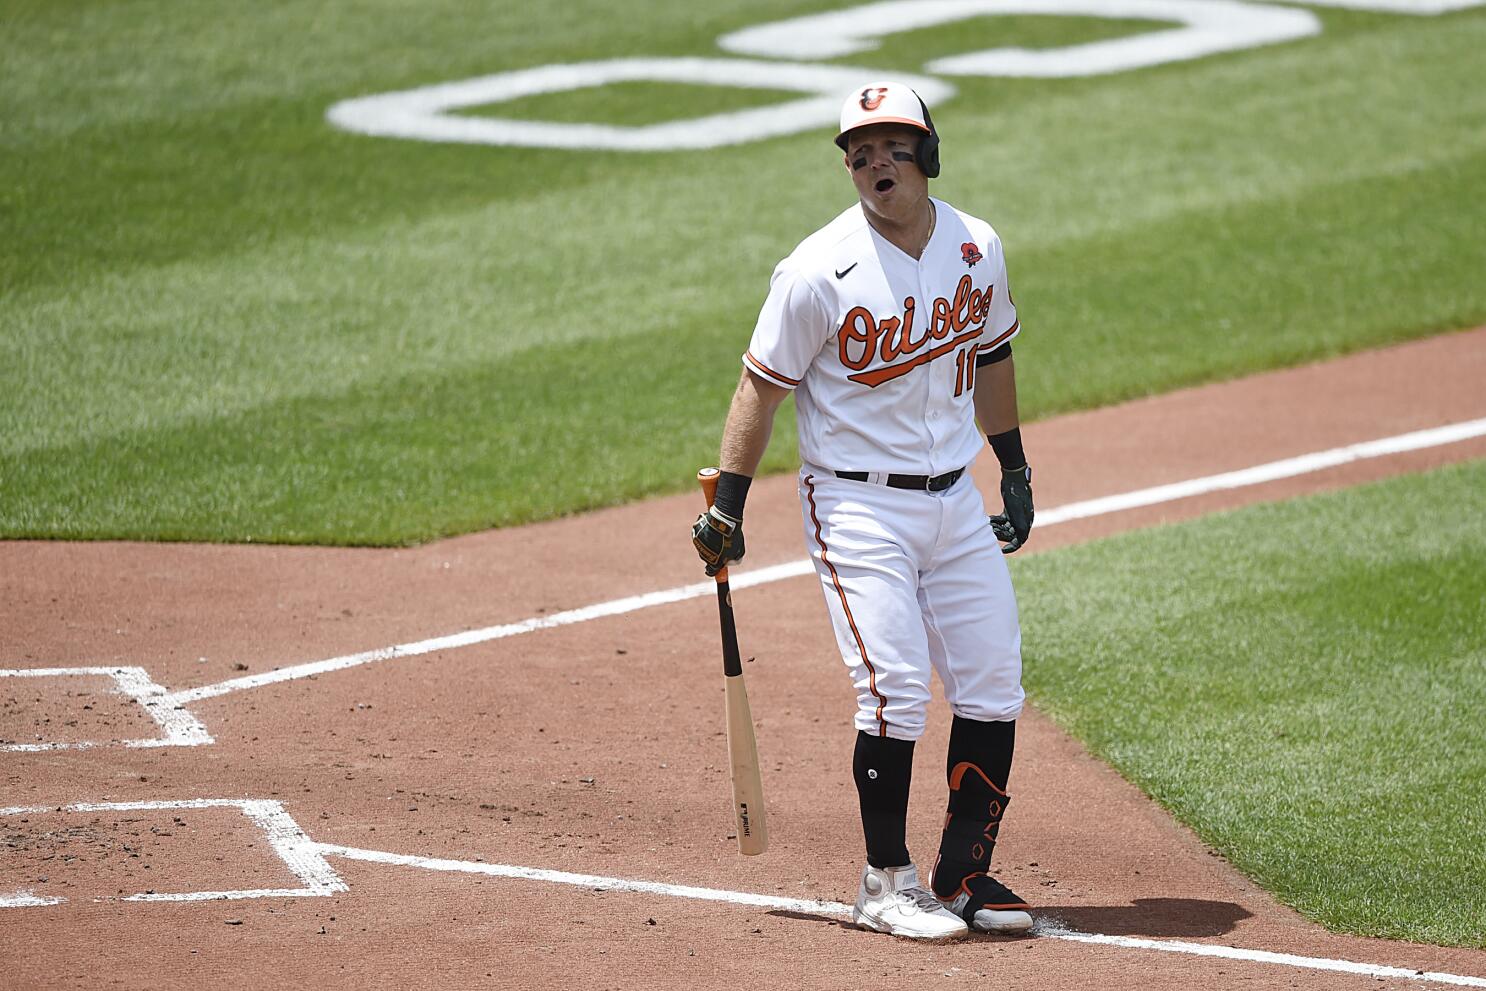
(925, 386)
(930, 384)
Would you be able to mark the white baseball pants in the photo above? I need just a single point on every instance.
(914, 581)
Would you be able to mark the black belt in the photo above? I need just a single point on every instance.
(934, 483)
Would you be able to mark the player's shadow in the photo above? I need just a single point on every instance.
(1147, 917)
(784, 913)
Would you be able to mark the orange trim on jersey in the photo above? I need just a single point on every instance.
(764, 369)
(850, 620)
(877, 376)
(1015, 326)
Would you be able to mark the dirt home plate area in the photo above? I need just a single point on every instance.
(498, 760)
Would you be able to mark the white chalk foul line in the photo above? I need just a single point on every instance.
(1264, 956)
(613, 608)
(26, 898)
(184, 730)
(595, 882)
(1271, 472)
(300, 854)
(1256, 475)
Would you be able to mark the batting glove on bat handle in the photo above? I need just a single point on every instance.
(718, 539)
(1014, 524)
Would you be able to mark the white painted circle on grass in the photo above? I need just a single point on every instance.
(425, 113)
(1205, 27)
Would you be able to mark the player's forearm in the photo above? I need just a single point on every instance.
(749, 425)
(744, 439)
(995, 408)
(995, 397)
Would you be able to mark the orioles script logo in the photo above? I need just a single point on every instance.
(872, 97)
(864, 337)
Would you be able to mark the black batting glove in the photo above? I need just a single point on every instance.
(718, 539)
(1014, 523)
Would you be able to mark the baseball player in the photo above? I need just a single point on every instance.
(892, 326)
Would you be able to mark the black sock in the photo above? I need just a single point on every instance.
(883, 768)
(986, 745)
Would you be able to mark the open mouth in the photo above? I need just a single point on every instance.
(883, 185)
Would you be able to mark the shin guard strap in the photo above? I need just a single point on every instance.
(971, 825)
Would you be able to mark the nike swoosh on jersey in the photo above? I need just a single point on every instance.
(847, 270)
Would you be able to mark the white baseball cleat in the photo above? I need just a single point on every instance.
(890, 900)
(991, 920)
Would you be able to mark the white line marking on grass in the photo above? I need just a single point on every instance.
(1257, 475)
(300, 854)
(181, 729)
(1044, 930)
(431, 113)
(1184, 30)
(1418, 7)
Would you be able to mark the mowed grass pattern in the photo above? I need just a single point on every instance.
(1303, 683)
(221, 319)
(224, 320)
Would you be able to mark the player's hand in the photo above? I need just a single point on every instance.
(718, 539)
(1015, 521)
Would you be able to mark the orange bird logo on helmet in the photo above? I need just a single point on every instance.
(872, 97)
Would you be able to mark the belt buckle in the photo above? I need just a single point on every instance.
(941, 482)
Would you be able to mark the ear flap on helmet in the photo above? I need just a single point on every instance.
(927, 152)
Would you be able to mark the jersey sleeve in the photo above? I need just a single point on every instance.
(792, 327)
(1001, 323)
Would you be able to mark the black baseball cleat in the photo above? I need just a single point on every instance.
(988, 906)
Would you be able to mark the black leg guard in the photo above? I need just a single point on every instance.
(976, 806)
(979, 764)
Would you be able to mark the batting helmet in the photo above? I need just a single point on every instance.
(892, 103)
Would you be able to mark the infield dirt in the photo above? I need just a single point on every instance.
(597, 747)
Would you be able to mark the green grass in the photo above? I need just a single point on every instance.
(1304, 684)
(910, 50)
(209, 295)
(220, 319)
(634, 103)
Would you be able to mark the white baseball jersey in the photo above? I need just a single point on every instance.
(881, 347)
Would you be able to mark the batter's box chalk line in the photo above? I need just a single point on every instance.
(1044, 929)
(306, 859)
(177, 726)
(299, 853)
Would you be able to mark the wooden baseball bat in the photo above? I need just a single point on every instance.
(748, 786)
